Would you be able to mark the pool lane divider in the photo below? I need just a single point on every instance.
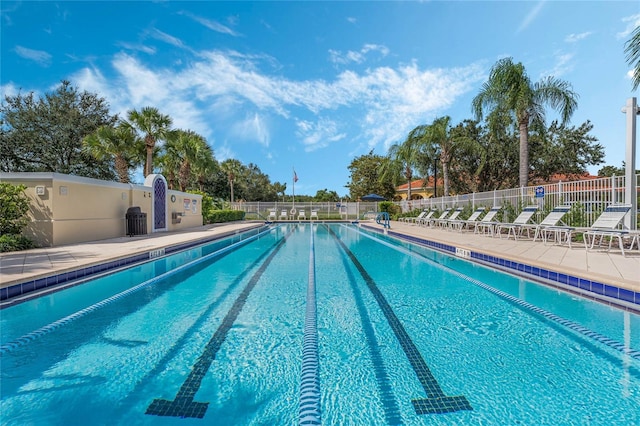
(183, 404)
(33, 335)
(625, 350)
(436, 401)
(309, 411)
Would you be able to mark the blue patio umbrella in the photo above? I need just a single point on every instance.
(373, 197)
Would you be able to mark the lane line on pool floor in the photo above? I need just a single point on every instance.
(31, 336)
(436, 402)
(568, 324)
(183, 404)
(389, 404)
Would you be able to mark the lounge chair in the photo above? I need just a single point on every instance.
(605, 228)
(301, 215)
(487, 225)
(425, 219)
(314, 215)
(545, 228)
(412, 219)
(283, 214)
(432, 222)
(517, 226)
(445, 222)
(272, 215)
(459, 225)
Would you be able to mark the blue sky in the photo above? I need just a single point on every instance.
(312, 85)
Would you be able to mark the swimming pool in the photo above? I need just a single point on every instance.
(323, 323)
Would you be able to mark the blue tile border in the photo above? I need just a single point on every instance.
(69, 276)
(594, 288)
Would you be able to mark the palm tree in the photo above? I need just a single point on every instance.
(118, 143)
(204, 165)
(154, 126)
(232, 168)
(510, 88)
(632, 49)
(405, 157)
(438, 138)
(183, 149)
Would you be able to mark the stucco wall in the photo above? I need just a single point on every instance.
(69, 209)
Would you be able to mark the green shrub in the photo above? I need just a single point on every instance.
(220, 216)
(13, 242)
(14, 205)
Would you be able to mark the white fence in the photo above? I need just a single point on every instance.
(324, 210)
(590, 197)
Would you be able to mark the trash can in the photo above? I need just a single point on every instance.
(136, 221)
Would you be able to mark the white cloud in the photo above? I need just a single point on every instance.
(41, 57)
(531, 16)
(573, 38)
(318, 134)
(563, 65)
(169, 39)
(218, 87)
(632, 22)
(351, 20)
(253, 128)
(213, 25)
(138, 47)
(338, 57)
(9, 89)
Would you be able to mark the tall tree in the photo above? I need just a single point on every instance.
(232, 168)
(366, 177)
(510, 88)
(632, 49)
(563, 149)
(45, 134)
(183, 149)
(118, 144)
(280, 188)
(405, 156)
(154, 126)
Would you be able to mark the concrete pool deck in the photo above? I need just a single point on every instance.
(608, 267)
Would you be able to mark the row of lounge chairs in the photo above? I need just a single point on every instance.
(602, 233)
(288, 215)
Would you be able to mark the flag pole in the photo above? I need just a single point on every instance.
(294, 188)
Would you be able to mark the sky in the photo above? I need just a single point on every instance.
(309, 86)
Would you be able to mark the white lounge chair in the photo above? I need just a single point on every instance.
(445, 222)
(432, 222)
(272, 215)
(314, 215)
(413, 219)
(487, 225)
(425, 219)
(301, 215)
(545, 228)
(606, 228)
(283, 214)
(459, 225)
(517, 226)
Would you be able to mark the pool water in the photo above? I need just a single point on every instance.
(405, 335)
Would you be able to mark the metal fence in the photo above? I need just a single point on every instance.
(324, 210)
(589, 198)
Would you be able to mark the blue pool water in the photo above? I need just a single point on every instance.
(397, 334)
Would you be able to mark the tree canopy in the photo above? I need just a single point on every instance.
(45, 134)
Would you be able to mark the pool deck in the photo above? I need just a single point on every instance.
(608, 267)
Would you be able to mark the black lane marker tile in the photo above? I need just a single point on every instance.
(183, 405)
(391, 410)
(436, 402)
